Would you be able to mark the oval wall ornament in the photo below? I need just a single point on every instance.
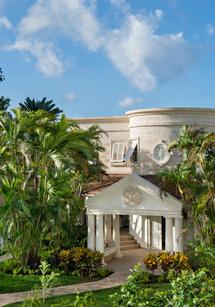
(132, 196)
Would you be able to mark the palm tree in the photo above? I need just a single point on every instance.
(43, 165)
(195, 177)
(1, 75)
(32, 105)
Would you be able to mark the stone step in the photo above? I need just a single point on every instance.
(126, 238)
(131, 246)
(128, 242)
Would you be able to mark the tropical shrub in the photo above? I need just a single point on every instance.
(101, 272)
(192, 289)
(139, 275)
(165, 260)
(44, 163)
(202, 255)
(151, 262)
(80, 301)
(180, 262)
(81, 259)
(176, 261)
(194, 177)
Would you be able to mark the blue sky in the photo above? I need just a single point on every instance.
(104, 57)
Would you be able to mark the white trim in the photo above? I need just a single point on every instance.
(130, 151)
(117, 148)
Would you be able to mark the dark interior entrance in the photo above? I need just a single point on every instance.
(163, 230)
(124, 222)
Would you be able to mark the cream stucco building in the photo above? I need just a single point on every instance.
(126, 210)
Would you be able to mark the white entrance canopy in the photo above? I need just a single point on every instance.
(138, 198)
(134, 195)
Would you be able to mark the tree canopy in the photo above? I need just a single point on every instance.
(195, 178)
(43, 165)
(1, 75)
(32, 105)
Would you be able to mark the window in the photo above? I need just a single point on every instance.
(132, 152)
(118, 151)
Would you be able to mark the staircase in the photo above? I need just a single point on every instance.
(127, 241)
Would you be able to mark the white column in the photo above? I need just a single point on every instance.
(108, 236)
(178, 235)
(91, 231)
(169, 235)
(116, 234)
(100, 233)
(143, 231)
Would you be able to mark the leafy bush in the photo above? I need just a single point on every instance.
(190, 289)
(165, 260)
(193, 289)
(177, 261)
(139, 275)
(9, 266)
(151, 262)
(80, 301)
(48, 280)
(202, 255)
(180, 262)
(79, 258)
(132, 295)
(101, 272)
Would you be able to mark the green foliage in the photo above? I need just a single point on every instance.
(8, 265)
(194, 177)
(101, 272)
(192, 289)
(187, 289)
(32, 105)
(151, 262)
(176, 261)
(1, 75)
(47, 281)
(80, 259)
(133, 295)
(139, 275)
(202, 255)
(44, 164)
(80, 301)
(4, 103)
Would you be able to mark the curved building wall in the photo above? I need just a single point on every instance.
(156, 126)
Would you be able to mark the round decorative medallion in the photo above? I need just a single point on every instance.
(161, 154)
(132, 196)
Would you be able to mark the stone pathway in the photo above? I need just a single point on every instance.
(120, 267)
(114, 280)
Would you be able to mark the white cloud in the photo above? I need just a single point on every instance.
(145, 57)
(135, 48)
(121, 4)
(159, 13)
(47, 60)
(128, 101)
(74, 19)
(52, 18)
(210, 29)
(70, 97)
(5, 23)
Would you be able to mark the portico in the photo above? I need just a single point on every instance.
(155, 223)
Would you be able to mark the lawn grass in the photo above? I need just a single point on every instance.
(102, 296)
(19, 283)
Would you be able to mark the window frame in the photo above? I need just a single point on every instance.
(114, 144)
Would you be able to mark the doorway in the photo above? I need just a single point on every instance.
(124, 223)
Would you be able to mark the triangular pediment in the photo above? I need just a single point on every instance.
(133, 195)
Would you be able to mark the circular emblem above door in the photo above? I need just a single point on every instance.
(132, 196)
